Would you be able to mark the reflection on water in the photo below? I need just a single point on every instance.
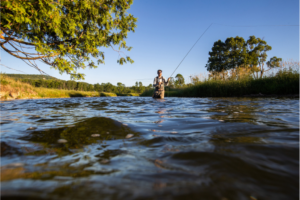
(141, 148)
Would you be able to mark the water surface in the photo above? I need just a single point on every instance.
(141, 148)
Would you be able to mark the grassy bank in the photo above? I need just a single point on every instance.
(12, 89)
(56, 93)
(281, 84)
(129, 94)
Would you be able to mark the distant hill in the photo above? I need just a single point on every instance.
(30, 76)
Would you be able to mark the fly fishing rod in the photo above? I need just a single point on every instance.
(190, 49)
(188, 53)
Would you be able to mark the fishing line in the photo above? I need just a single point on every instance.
(191, 49)
(254, 25)
(12, 68)
(223, 25)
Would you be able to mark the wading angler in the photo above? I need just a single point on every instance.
(159, 84)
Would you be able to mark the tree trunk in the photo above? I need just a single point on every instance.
(262, 70)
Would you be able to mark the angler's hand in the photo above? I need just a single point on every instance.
(169, 78)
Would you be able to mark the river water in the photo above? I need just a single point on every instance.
(141, 148)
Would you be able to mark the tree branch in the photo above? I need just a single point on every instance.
(25, 58)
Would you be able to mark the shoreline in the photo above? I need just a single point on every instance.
(102, 94)
(248, 95)
(33, 98)
(272, 95)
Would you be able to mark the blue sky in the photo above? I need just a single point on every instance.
(167, 29)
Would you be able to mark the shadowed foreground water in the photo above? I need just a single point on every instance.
(141, 148)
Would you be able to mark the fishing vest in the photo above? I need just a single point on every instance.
(158, 89)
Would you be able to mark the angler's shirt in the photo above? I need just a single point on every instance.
(163, 80)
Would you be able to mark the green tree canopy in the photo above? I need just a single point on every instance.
(121, 87)
(171, 82)
(236, 52)
(179, 80)
(274, 62)
(65, 34)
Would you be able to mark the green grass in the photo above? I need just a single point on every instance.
(282, 84)
(56, 93)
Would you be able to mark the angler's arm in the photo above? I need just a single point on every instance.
(166, 82)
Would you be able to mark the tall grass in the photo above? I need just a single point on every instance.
(281, 81)
(57, 93)
(9, 87)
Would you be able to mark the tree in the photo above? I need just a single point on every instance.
(140, 84)
(120, 87)
(227, 55)
(65, 33)
(171, 83)
(71, 85)
(235, 53)
(179, 80)
(217, 57)
(98, 87)
(257, 49)
(108, 87)
(149, 87)
(273, 62)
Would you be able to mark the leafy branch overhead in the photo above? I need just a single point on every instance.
(65, 34)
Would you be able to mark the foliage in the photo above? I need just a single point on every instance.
(179, 80)
(29, 76)
(171, 83)
(274, 62)
(23, 90)
(236, 52)
(120, 87)
(38, 81)
(283, 80)
(65, 33)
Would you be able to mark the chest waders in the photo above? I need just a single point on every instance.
(158, 90)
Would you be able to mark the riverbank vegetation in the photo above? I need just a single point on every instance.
(239, 67)
(52, 83)
(282, 80)
(13, 89)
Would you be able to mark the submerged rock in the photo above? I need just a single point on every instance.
(105, 161)
(62, 141)
(129, 136)
(89, 131)
(13, 165)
